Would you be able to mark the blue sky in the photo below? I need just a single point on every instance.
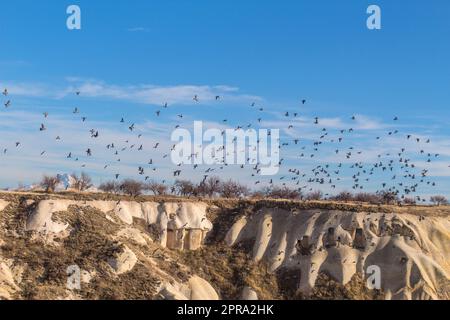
(129, 57)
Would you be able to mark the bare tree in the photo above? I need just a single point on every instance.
(233, 189)
(439, 200)
(184, 188)
(273, 192)
(132, 187)
(409, 201)
(276, 192)
(315, 195)
(110, 187)
(259, 194)
(344, 196)
(156, 188)
(209, 187)
(83, 182)
(371, 198)
(49, 183)
(388, 197)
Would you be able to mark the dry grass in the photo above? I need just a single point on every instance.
(229, 270)
(328, 289)
(443, 210)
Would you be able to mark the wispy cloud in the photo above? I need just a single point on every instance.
(305, 127)
(138, 29)
(26, 163)
(435, 169)
(28, 89)
(139, 93)
(157, 95)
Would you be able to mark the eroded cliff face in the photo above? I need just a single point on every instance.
(171, 220)
(106, 242)
(60, 248)
(410, 251)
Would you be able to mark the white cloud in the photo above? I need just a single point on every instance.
(25, 89)
(26, 164)
(435, 169)
(138, 29)
(158, 95)
(141, 93)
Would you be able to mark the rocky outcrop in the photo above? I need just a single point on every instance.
(41, 219)
(249, 294)
(201, 289)
(272, 250)
(195, 289)
(134, 235)
(3, 204)
(411, 252)
(180, 225)
(8, 279)
(123, 261)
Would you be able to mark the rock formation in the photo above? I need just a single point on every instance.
(126, 249)
(413, 254)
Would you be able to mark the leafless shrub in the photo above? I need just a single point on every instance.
(314, 196)
(184, 188)
(110, 187)
(132, 187)
(409, 201)
(439, 200)
(233, 189)
(209, 187)
(371, 198)
(156, 188)
(344, 196)
(259, 194)
(388, 197)
(276, 192)
(292, 194)
(48, 183)
(82, 182)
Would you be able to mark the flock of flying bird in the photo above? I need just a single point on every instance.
(400, 174)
